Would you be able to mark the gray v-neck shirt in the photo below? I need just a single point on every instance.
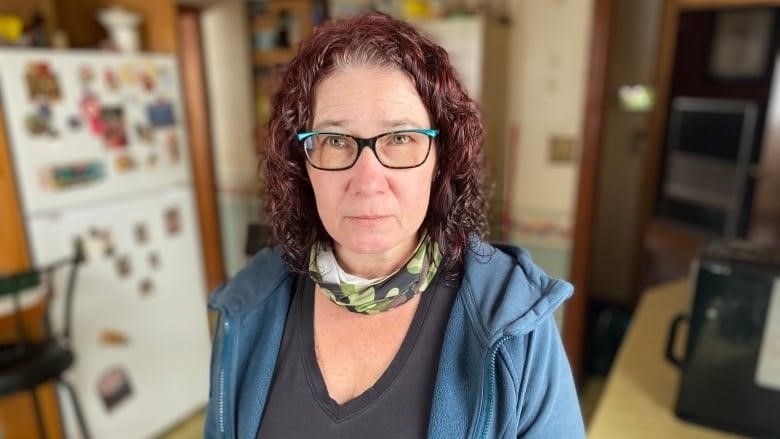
(398, 405)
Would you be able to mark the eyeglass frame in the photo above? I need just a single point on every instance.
(369, 143)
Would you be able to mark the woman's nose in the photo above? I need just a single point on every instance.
(368, 174)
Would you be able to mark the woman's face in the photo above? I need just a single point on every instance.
(370, 210)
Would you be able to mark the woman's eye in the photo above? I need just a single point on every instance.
(335, 141)
(400, 139)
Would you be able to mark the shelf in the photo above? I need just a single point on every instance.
(273, 57)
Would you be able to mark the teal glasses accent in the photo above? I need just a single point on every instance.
(402, 149)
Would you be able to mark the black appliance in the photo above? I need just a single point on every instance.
(731, 364)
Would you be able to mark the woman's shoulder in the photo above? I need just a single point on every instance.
(264, 274)
(510, 294)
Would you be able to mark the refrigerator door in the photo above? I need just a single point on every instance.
(87, 126)
(140, 330)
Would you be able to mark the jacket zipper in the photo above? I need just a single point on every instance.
(491, 385)
(224, 379)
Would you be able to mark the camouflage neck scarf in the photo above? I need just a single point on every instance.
(376, 295)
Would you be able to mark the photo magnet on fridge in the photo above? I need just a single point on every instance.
(172, 221)
(123, 266)
(146, 287)
(40, 123)
(113, 386)
(111, 79)
(161, 114)
(147, 81)
(144, 132)
(42, 83)
(114, 121)
(92, 113)
(141, 233)
(172, 143)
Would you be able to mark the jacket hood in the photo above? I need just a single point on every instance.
(253, 284)
(505, 292)
(510, 294)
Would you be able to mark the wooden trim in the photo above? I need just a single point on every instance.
(16, 412)
(574, 315)
(196, 102)
(15, 256)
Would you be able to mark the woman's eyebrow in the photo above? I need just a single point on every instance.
(400, 123)
(329, 123)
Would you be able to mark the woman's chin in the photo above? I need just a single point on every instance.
(375, 244)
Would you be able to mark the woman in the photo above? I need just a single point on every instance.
(383, 313)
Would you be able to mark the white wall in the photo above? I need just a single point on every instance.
(229, 82)
(548, 66)
(226, 40)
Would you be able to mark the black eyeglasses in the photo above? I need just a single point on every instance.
(396, 150)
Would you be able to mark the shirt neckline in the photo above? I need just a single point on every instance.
(339, 412)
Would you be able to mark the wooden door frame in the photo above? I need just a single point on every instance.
(199, 134)
(576, 308)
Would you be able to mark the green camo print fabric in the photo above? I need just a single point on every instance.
(411, 279)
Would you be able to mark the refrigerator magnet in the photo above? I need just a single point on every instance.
(72, 174)
(113, 338)
(113, 387)
(160, 114)
(125, 163)
(91, 112)
(154, 261)
(114, 136)
(42, 83)
(147, 81)
(127, 75)
(94, 245)
(74, 122)
(146, 287)
(38, 125)
(98, 243)
(172, 221)
(172, 145)
(141, 233)
(86, 75)
(111, 79)
(145, 133)
(123, 266)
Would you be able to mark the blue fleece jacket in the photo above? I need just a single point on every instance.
(502, 373)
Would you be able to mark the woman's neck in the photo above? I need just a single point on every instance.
(374, 265)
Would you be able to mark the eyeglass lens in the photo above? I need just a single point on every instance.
(338, 151)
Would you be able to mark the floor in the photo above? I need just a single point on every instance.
(191, 428)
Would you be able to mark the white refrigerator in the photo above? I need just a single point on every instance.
(99, 148)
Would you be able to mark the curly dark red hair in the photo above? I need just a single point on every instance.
(456, 211)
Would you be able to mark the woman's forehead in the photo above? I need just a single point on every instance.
(368, 95)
